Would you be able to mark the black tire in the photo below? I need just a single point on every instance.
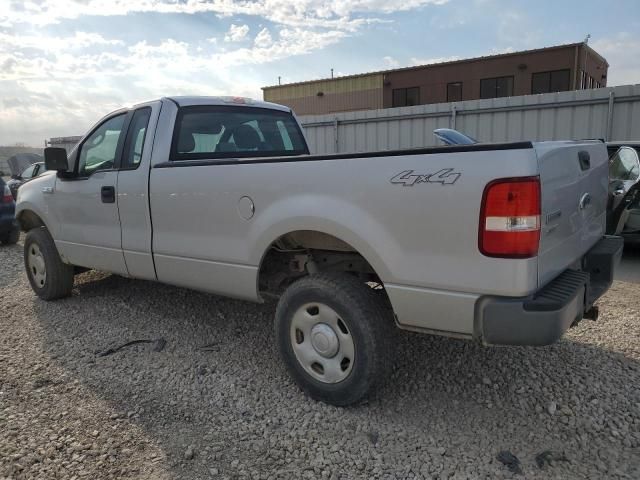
(11, 238)
(59, 275)
(367, 319)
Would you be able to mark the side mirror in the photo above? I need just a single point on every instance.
(55, 158)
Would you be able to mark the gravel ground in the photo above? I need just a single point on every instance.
(217, 403)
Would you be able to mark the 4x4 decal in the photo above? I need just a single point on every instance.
(446, 176)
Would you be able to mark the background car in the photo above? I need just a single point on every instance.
(9, 230)
(28, 173)
(623, 208)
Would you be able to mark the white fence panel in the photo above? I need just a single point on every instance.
(610, 113)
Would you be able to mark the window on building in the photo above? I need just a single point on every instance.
(405, 97)
(547, 82)
(454, 92)
(496, 87)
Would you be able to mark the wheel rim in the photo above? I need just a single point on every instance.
(322, 343)
(37, 266)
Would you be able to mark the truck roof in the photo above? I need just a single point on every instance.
(188, 101)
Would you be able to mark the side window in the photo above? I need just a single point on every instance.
(28, 172)
(136, 135)
(98, 151)
(624, 165)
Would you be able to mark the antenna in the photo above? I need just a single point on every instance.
(279, 83)
(332, 73)
(586, 39)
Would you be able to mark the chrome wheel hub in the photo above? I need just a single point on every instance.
(37, 266)
(322, 343)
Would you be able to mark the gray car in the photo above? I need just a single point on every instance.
(32, 171)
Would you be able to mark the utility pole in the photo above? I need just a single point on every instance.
(584, 65)
(332, 73)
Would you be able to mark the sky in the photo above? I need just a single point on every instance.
(66, 63)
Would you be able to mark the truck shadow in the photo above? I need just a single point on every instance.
(219, 383)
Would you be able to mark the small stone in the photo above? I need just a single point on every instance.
(95, 433)
(486, 380)
(189, 454)
(552, 407)
(214, 471)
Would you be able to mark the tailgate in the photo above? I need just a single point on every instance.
(574, 185)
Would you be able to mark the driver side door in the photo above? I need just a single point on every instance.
(85, 202)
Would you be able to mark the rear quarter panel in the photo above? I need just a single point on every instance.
(423, 236)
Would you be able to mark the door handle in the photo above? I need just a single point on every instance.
(108, 194)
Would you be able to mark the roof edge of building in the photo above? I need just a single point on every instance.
(451, 62)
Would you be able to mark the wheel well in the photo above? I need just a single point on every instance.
(303, 252)
(28, 220)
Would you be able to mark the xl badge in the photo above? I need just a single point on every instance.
(446, 176)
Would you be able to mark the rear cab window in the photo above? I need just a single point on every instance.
(222, 131)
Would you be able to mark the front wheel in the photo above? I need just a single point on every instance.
(332, 333)
(48, 275)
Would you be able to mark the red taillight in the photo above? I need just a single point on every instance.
(510, 218)
(6, 196)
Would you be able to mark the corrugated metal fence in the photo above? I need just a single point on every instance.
(609, 113)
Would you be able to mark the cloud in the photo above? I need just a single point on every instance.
(56, 84)
(501, 50)
(236, 33)
(390, 62)
(299, 13)
(263, 39)
(428, 61)
(622, 51)
(290, 42)
(78, 41)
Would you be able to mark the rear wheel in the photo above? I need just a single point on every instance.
(48, 275)
(332, 333)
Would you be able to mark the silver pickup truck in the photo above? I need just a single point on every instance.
(499, 243)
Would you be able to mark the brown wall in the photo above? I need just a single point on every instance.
(433, 79)
(334, 102)
(344, 94)
(375, 90)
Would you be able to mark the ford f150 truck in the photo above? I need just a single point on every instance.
(500, 243)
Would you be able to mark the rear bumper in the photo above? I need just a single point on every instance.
(543, 317)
